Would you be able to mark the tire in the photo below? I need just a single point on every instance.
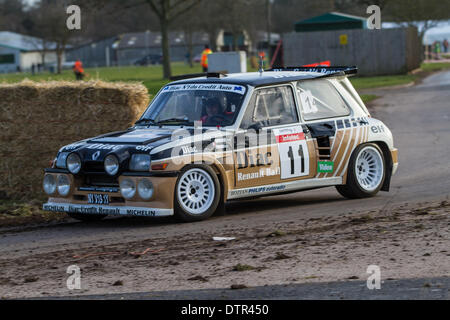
(366, 172)
(197, 193)
(87, 217)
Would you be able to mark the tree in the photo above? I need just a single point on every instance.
(167, 11)
(422, 14)
(12, 15)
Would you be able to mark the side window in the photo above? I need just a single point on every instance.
(270, 107)
(319, 99)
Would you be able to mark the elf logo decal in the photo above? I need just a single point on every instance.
(143, 148)
(72, 146)
(377, 129)
(325, 166)
(96, 155)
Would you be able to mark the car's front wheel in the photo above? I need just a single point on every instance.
(197, 193)
(366, 172)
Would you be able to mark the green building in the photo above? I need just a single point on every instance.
(331, 21)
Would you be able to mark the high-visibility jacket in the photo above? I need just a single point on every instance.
(204, 61)
(78, 67)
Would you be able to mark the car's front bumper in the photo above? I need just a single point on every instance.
(108, 210)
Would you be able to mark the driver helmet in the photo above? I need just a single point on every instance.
(214, 101)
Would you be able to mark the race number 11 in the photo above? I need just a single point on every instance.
(294, 159)
(293, 150)
(302, 159)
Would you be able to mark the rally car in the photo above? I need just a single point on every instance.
(210, 139)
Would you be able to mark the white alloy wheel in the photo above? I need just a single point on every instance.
(369, 168)
(196, 191)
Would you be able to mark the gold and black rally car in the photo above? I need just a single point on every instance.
(207, 140)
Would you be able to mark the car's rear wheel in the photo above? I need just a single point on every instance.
(366, 172)
(86, 217)
(197, 193)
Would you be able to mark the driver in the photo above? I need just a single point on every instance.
(214, 112)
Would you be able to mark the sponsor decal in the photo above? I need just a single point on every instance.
(144, 148)
(377, 129)
(189, 150)
(141, 212)
(100, 146)
(325, 166)
(262, 173)
(291, 137)
(209, 86)
(247, 159)
(95, 155)
(257, 190)
(82, 209)
(72, 146)
(52, 208)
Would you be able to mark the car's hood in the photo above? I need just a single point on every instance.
(123, 144)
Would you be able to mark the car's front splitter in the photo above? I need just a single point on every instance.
(108, 210)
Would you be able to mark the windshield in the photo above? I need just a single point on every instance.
(212, 104)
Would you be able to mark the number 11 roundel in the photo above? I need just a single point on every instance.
(293, 150)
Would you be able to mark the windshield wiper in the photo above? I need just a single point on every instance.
(149, 121)
(175, 121)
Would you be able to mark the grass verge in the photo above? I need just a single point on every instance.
(436, 66)
(151, 76)
(382, 81)
(14, 213)
(366, 98)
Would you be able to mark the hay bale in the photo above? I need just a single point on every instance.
(38, 118)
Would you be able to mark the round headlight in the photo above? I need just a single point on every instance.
(73, 163)
(63, 185)
(49, 184)
(145, 189)
(111, 165)
(127, 188)
(140, 162)
(61, 160)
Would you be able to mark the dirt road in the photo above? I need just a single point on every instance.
(314, 236)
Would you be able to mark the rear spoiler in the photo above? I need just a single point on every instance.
(327, 71)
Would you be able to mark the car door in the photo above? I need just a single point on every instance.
(329, 120)
(272, 146)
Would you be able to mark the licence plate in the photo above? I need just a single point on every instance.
(95, 198)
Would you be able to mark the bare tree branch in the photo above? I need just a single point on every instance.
(176, 14)
(155, 9)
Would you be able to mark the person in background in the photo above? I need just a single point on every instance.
(204, 60)
(445, 45)
(437, 49)
(78, 70)
(33, 69)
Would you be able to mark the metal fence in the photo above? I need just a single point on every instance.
(374, 52)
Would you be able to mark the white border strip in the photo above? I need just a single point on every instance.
(109, 210)
(283, 187)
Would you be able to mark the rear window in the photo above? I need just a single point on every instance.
(319, 99)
